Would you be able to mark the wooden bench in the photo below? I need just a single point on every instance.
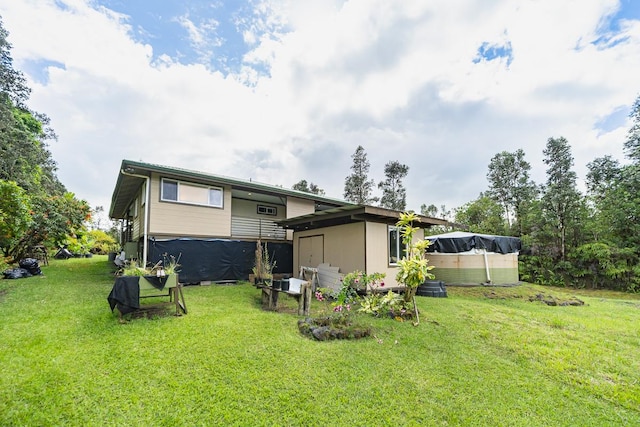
(301, 290)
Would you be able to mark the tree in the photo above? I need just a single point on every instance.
(394, 195)
(15, 215)
(510, 185)
(13, 86)
(632, 144)
(561, 201)
(483, 215)
(357, 186)
(25, 160)
(431, 210)
(308, 188)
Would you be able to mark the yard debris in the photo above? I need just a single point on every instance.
(30, 264)
(553, 301)
(16, 273)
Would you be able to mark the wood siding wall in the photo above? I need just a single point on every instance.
(343, 246)
(179, 219)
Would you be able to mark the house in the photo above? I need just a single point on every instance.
(352, 237)
(211, 222)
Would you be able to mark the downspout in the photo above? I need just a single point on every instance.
(145, 247)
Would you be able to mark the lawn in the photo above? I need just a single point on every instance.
(480, 357)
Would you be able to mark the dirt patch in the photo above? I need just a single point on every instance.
(555, 301)
(495, 295)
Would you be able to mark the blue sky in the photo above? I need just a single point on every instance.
(279, 91)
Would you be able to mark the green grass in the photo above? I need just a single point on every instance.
(474, 360)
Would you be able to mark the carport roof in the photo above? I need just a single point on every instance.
(351, 214)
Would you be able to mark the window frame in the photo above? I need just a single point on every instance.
(401, 249)
(180, 183)
(268, 210)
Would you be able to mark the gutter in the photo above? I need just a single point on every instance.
(145, 247)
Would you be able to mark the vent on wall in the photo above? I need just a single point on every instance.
(267, 210)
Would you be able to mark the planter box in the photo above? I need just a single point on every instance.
(172, 282)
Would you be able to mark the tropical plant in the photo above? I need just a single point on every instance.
(15, 217)
(413, 268)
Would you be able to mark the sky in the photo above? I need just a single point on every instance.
(279, 91)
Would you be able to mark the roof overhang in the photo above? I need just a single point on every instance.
(350, 214)
(133, 175)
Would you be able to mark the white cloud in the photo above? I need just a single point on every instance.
(398, 78)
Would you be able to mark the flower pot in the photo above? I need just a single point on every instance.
(276, 284)
(284, 284)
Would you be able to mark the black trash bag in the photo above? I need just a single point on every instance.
(63, 253)
(16, 273)
(30, 264)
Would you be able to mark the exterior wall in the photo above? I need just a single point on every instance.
(343, 246)
(169, 219)
(298, 207)
(377, 239)
(249, 209)
(470, 268)
(138, 222)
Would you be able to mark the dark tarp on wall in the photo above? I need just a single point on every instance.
(459, 241)
(217, 259)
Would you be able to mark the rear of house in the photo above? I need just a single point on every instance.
(211, 220)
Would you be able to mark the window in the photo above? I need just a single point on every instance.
(182, 192)
(396, 248)
(267, 210)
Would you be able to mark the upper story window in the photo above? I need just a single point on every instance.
(193, 194)
(396, 248)
(267, 210)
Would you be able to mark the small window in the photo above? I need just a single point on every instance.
(169, 190)
(182, 192)
(396, 248)
(267, 210)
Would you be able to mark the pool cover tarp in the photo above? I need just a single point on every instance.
(459, 241)
(218, 260)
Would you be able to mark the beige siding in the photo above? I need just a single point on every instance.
(343, 246)
(249, 209)
(179, 219)
(378, 251)
(298, 207)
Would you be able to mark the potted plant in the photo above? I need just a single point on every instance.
(263, 266)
